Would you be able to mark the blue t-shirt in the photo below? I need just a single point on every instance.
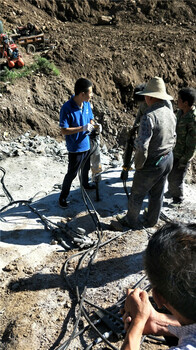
(71, 115)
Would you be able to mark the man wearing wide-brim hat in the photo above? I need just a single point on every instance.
(153, 155)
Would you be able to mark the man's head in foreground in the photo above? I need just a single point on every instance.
(170, 262)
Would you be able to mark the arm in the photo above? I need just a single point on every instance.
(70, 131)
(138, 327)
(134, 335)
(136, 322)
(189, 144)
(142, 141)
(74, 130)
(129, 148)
(141, 111)
(138, 304)
(69, 124)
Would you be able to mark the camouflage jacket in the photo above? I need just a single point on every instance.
(186, 136)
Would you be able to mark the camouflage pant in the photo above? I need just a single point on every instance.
(175, 180)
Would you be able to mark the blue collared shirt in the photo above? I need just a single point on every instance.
(71, 115)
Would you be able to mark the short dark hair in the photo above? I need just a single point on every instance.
(82, 85)
(188, 94)
(170, 263)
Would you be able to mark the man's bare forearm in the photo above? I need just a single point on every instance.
(139, 328)
(161, 322)
(70, 131)
(134, 334)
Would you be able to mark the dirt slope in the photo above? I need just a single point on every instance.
(143, 39)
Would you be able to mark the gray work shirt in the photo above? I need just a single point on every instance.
(156, 136)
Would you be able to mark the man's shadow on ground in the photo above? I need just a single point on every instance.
(30, 229)
(26, 218)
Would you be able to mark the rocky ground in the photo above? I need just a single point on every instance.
(133, 42)
(38, 284)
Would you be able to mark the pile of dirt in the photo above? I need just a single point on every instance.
(142, 39)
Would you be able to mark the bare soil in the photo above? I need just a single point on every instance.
(38, 304)
(136, 40)
(144, 39)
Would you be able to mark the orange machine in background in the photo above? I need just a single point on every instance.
(10, 51)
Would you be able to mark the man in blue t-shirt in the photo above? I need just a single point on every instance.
(76, 123)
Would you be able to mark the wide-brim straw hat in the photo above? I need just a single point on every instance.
(155, 88)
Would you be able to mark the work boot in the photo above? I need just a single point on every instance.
(177, 200)
(90, 187)
(62, 202)
(144, 219)
(167, 195)
(123, 220)
(144, 222)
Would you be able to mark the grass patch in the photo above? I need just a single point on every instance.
(41, 65)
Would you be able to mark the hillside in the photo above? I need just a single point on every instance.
(143, 39)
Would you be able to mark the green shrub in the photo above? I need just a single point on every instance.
(45, 66)
(41, 65)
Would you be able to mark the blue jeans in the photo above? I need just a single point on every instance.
(76, 160)
(150, 180)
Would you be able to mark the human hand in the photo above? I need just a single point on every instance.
(124, 175)
(88, 127)
(138, 306)
(98, 127)
(155, 324)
